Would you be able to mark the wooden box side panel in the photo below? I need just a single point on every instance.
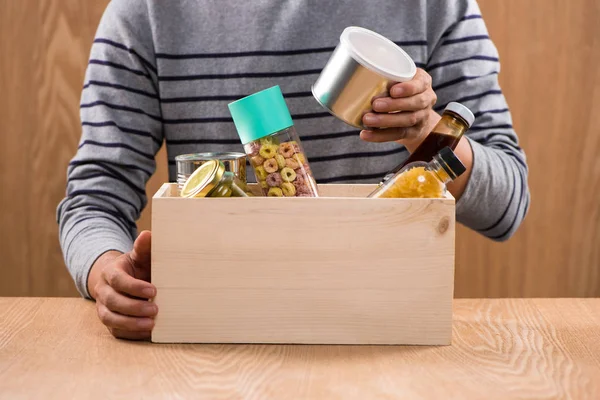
(166, 190)
(328, 190)
(330, 271)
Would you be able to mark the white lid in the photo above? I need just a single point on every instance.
(461, 110)
(378, 53)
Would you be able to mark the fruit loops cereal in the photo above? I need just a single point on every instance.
(275, 192)
(274, 180)
(271, 165)
(289, 190)
(293, 164)
(281, 168)
(281, 161)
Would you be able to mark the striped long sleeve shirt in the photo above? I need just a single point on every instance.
(164, 71)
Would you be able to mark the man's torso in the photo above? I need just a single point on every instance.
(209, 53)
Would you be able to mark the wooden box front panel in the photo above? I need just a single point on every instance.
(332, 270)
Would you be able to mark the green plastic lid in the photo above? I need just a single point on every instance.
(260, 114)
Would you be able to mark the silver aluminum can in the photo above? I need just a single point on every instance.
(362, 67)
(188, 163)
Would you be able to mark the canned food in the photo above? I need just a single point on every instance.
(188, 163)
(212, 180)
(363, 67)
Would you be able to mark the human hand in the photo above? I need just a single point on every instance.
(407, 114)
(120, 284)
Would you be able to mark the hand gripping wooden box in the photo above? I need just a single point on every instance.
(339, 269)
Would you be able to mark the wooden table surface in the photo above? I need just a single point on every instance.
(502, 349)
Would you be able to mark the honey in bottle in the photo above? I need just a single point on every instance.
(455, 121)
(423, 180)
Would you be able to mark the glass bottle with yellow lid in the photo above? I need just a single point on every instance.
(423, 180)
(272, 144)
(212, 179)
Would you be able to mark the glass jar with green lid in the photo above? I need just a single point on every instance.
(272, 144)
(211, 179)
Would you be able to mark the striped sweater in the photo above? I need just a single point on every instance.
(164, 71)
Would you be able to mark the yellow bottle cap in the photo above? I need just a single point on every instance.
(204, 179)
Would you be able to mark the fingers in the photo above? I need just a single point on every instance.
(414, 95)
(142, 249)
(124, 283)
(421, 101)
(122, 322)
(403, 115)
(124, 305)
(119, 295)
(420, 83)
(139, 258)
(396, 120)
(141, 335)
(388, 135)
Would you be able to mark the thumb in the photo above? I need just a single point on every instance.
(142, 250)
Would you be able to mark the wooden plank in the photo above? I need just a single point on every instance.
(300, 270)
(43, 56)
(45, 49)
(501, 349)
(553, 91)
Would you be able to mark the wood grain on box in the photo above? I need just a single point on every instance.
(298, 270)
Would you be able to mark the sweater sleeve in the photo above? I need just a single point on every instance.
(464, 66)
(121, 133)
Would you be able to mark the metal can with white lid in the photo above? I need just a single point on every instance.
(363, 67)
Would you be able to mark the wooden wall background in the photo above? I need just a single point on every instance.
(550, 53)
